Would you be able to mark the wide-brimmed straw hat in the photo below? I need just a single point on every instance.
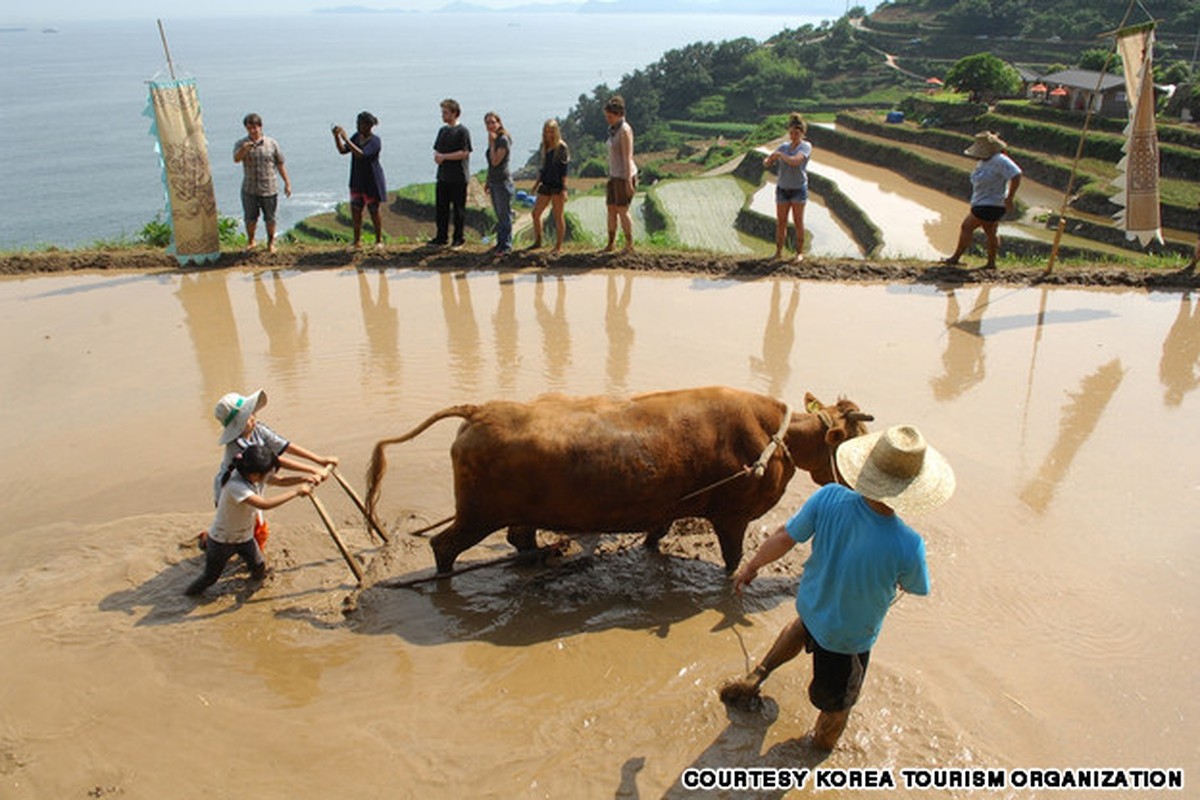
(898, 468)
(986, 145)
(233, 410)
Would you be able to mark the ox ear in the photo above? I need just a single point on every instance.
(836, 435)
(811, 404)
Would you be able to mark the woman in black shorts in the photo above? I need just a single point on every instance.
(994, 184)
(551, 185)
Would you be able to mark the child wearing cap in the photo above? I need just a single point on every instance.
(241, 428)
(239, 509)
(861, 552)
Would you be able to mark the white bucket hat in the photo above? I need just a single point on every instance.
(233, 410)
(898, 468)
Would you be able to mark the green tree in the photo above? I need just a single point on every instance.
(1096, 57)
(984, 76)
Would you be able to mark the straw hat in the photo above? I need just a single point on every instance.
(986, 145)
(233, 410)
(898, 468)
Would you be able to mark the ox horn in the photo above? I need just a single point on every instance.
(859, 416)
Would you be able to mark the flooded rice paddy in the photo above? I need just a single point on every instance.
(1064, 569)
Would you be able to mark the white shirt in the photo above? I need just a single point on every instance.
(989, 181)
(234, 520)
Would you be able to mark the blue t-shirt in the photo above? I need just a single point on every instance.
(858, 558)
(989, 180)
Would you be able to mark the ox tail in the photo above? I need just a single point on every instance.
(378, 465)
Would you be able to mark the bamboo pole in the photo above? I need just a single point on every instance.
(372, 525)
(341, 546)
(162, 34)
(1087, 120)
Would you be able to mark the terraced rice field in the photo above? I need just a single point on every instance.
(592, 214)
(704, 211)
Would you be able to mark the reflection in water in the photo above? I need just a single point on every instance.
(381, 324)
(208, 315)
(505, 328)
(963, 357)
(778, 337)
(1181, 353)
(1079, 418)
(287, 337)
(462, 332)
(556, 333)
(620, 334)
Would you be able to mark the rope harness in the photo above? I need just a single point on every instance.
(759, 467)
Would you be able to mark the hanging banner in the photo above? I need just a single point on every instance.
(187, 178)
(1138, 178)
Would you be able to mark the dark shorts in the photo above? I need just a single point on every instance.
(549, 191)
(359, 199)
(252, 204)
(785, 197)
(837, 677)
(988, 213)
(617, 193)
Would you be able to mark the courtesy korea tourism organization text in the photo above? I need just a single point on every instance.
(1073, 780)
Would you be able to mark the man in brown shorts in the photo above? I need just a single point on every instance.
(622, 173)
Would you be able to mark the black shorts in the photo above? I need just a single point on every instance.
(837, 677)
(988, 213)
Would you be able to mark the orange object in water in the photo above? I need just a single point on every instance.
(261, 532)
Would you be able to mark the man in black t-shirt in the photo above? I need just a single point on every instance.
(452, 153)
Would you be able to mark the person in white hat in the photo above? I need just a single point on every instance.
(861, 552)
(994, 183)
(239, 513)
(241, 428)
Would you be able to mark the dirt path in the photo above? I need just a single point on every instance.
(301, 257)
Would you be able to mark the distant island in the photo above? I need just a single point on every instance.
(832, 8)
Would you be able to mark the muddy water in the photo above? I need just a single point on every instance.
(1064, 570)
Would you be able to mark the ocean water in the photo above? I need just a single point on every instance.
(77, 164)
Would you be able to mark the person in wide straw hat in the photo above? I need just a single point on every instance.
(861, 552)
(994, 183)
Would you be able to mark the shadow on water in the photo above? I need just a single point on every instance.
(160, 600)
(515, 606)
(740, 745)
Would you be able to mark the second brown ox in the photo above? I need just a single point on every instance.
(602, 465)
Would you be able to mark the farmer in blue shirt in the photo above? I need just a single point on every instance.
(861, 552)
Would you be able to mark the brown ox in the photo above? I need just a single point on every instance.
(601, 465)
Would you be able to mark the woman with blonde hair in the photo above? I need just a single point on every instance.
(551, 184)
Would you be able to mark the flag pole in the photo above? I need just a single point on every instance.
(1087, 120)
(163, 35)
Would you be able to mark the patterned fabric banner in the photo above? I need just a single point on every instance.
(1138, 179)
(187, 177)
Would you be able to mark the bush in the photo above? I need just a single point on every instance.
(593, 168)
(156, 232)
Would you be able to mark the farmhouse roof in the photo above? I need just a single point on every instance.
(1085, 79)
(1026, 73)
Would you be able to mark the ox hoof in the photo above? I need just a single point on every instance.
(538, 556)
(742, 694)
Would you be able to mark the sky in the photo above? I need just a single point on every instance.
(18, 12)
